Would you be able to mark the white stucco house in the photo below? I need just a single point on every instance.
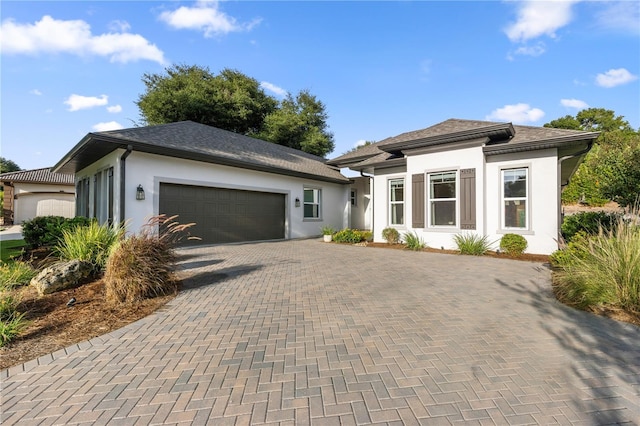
(463, 176)
(235, 188)
(37, 192)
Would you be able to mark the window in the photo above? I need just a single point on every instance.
(514, 198)
(354, 197)
(396, 202)
(312, 198)
(442, 199)
(82, 197)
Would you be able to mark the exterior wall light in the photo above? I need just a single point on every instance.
(140, 193)
(297, 202)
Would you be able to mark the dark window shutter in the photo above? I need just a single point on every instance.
(417, 200)
(468, 199)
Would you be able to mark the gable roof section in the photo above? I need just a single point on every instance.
(43, 175)
(496, 138)
(199, 142)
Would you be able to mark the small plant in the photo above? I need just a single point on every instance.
(8, 306)
(472, 244)
(142, 265)
(11, 328)
(587, 222)
(414, 241)
(350, 236)
(91, 243)
(391, 235)
(327, 230)
(15, 274)
(513, 244)
(47, 230)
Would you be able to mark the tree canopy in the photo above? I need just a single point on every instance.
(235, 102)
(611, 170)
(7, 166)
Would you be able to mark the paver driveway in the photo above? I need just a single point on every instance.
(303, 332)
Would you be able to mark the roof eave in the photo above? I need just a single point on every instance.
(540, 144)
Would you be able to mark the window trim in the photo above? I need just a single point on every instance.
(503, 228)
(317, 202)
(392, 203)
(455, 170)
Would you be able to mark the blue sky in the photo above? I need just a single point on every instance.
(381, 68)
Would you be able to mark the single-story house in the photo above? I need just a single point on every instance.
(464, 176)
(235, 188)
(39, 192)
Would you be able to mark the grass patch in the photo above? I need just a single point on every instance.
(15, 274)
(472, 244)
(91, 243)
(11, 249)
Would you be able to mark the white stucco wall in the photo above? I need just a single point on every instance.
(361, 213)
(34, 199)
(543, 196)
(151, 170)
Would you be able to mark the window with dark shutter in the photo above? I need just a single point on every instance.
(468, 199)
(417, 200)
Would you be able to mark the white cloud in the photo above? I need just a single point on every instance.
(109, 125)
(78, 102)
(620, 16)
(273, 88)
(615, 77)
(574, 103)
(206, 17)
(518, 113)
(35, 92)
(535, 50)
(50, 35)
(119, 26)
(537, 18)
(359, 143)
(114, 109)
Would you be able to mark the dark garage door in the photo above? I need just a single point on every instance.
(225, 215)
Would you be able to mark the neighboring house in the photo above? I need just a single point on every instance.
(463, 176)
(39, 192)
(235, 188)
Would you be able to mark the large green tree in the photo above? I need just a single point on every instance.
(233, 101)
(300, 123)
(608, 172)
(7, 165)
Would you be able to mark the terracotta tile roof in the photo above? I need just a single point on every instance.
(43, 175)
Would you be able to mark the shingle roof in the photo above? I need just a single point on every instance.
(38, 176)
(200, 142)
(502, 137)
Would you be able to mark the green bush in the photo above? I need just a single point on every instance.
(574, 249)
(11, 321)
(588, 222)
(47, 230)
(142, 265)
(8, 306)
(91, 243)
(513, 244)
(391, 235)
(351, 236)
(472, 244)
(602, 269)
(413, 241)
(14, 274)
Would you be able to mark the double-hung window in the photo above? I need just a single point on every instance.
(312, 200)
(396, 202)
(442, 199)
(515, 194)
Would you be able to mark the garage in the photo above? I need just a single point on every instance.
(225, 215)
(30, 205)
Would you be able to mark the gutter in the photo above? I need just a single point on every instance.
(123, 171)
(560, 185)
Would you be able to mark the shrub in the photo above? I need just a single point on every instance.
(574, 249)
(351, 236)
(513, 244)
(588, 222)
(414, 241)
(391, 235)
(14, 274)
(48, 230)
(603, 269)
(142, 265)
(8, 306)
(472, 244)
(91, 243)
(11, 328)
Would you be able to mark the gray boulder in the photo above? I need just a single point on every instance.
(61, 275)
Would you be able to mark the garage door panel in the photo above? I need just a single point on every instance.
(226, 215)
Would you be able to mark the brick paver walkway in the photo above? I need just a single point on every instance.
(302, 332)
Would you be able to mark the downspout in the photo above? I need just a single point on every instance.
(560, 185)
(370, 199)
(123, 171)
